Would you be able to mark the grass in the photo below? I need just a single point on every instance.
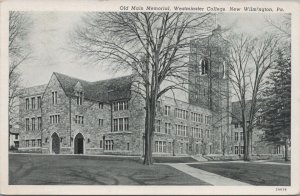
(252, 173)
(28, 169)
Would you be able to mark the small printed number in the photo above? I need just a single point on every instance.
(280, 189)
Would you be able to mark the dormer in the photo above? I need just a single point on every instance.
(78, 90)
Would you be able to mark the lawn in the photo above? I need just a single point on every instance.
(26, 169)
(252, 173)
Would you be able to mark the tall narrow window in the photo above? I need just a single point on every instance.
(126, 124)
(27, 124)
(33, 102)
(33, 124)
(39, 102)
(121, 124)
(39, 123)
(167, 110)
(54, 97)
(100, 105)
(242, 136)
(236, 136)
(203, 66)
(157, 126)
(79, 98)
(100, 122)
(115, 125)
(27, 103)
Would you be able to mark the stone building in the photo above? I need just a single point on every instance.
(73, 116)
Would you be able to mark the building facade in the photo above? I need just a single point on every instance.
(73, 116)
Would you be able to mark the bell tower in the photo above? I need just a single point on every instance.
(209, 82)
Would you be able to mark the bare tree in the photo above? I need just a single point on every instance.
(249, 61)
(155, 46)
(19, 51)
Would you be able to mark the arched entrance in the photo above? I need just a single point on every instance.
(78, 144)
(55, 143)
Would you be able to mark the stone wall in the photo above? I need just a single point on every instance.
(28, 93)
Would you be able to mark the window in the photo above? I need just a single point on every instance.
(16, 137)
(39, 102)
(157, 126)
(181, 130)
(236, 125)
(33, 143)
(27, 124)
(79, 119)
(115, 125)
(54, 97)
(27, 103)
(27, 143)
(183, 114)
(54, 119)
(167, 128)
(128, 145)
(100, 105)
(120, 124)
(242, 136)
(167, 110)
(33, 102)
(101, 143)
(236, 136)
(39, 142)
(203, 66)
(109, 145)
(161, 146)
(33, 124)
(101, 122)
(278, 149)
(242, 149)
(236, 150)
(120, 105)
(79, 98)
(39, 123)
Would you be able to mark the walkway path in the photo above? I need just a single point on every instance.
(208, 177)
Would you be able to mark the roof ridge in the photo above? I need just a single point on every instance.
(72, 77)
(93, 81)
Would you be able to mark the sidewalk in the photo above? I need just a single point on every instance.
(208, 177)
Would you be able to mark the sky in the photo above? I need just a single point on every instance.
(49, 42)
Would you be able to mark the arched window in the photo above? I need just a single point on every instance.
(203, 66)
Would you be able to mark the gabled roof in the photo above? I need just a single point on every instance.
(103, 90)
(34, 90)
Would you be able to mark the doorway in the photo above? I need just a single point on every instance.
(78, 144)
(55, 143)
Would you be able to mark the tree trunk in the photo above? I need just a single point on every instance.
(147, 158)
(246, 142)
(286, 153)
